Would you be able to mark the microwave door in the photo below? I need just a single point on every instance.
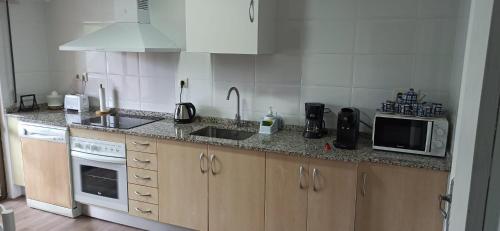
(400, 134)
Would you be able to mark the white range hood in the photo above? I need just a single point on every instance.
(139, 36)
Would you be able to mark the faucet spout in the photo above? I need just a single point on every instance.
(238, 116)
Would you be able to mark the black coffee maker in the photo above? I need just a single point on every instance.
(315, 125)
(347, 128)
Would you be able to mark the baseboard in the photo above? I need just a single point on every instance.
(74, 212)
(126, 219)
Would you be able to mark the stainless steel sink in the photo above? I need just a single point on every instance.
(221, 133)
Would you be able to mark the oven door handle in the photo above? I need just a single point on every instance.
(98, 158)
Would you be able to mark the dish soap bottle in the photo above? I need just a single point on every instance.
(268, 125)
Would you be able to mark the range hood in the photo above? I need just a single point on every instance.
(138, 36)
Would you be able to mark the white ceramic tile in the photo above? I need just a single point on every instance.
(328, 36)
(433, 72)
(282, 98)
(438, 8)
(289, 36)
(386, 36)
(387, 8)
(383, 71)
(278, 69)
(327, 70)
(37, 83)
(157, 92)
(200, 94)
(227, 108)
(195, 66)
(158, 64)
(96, 62)
(121, 63)
(123, 89)
(132, 61)
(368, 100)
(333, 97)
(435, 36)
(234, 68)
(437, 97)
(322, 9)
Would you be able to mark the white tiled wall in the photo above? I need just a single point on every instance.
(339, 52)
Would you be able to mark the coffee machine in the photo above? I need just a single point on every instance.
(315, 125)
(347, 128)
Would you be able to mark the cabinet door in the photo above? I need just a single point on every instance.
(199, 25)
(232, 27)
(182, 185)
(394, 198)
(286, 193)
(237, 189)
(47, 172)
(15, 151)
(332, 196)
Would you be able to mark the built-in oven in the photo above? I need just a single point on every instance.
(99, 173)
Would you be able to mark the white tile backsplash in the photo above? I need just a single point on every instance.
(383, 71)
(339, 52)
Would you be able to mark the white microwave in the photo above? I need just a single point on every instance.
(415, 135)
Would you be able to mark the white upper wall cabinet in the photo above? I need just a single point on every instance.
(230, 26)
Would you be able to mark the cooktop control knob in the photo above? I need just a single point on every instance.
(437, 144)
(440, 131)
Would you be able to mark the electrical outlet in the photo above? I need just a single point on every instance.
(185, 81)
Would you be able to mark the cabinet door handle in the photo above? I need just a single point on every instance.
(315, 176)
(142, 144)
(301, 176)
(142, 161)
(251, 11)
(142, 177)
(142, 194)
(212, 164)
(143, 211)
(202, 157)
(447, 199)
(363, 186)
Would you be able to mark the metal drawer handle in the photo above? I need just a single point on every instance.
(142, 161)
(251, 11)
(143, 211)
(363, 186)
(202, 157)
(142, 194)
(212, 164)
(142, 144)
(315, 175)
(301, 175)
(142, 177)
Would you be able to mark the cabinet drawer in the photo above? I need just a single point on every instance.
(142, 160)
(142, 177)
(141, 144)
(143, 193)
(144, 210)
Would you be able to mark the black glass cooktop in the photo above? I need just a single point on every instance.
(118, 121)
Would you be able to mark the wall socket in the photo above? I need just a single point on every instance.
(185, 81)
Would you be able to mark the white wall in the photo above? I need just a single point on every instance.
(342, 53)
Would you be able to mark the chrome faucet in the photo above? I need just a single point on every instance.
(237, 117)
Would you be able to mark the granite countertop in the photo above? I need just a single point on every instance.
(288, 141)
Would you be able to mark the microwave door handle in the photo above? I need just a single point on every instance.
(428, 139)
(98, 158)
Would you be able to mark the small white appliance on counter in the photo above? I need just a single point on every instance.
(409, 134)
(78, 103)
(47, 169)
(100, 173)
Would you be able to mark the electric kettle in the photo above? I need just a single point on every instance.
(184, 113)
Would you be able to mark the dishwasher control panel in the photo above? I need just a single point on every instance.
(98, 147)
(45, 133)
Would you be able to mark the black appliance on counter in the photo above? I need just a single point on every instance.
(315, 125)
(184, 113)
(347, 128)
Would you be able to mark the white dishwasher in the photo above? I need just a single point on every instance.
(47, 169)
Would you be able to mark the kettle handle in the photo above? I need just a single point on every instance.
(193, 109)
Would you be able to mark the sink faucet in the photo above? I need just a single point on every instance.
(237, 117)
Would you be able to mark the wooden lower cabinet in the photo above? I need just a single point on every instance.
(332, 195)
(286, 200)
(182, 185)
(394, 198)
(236, 190)
(324, 202)
(47, 172)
